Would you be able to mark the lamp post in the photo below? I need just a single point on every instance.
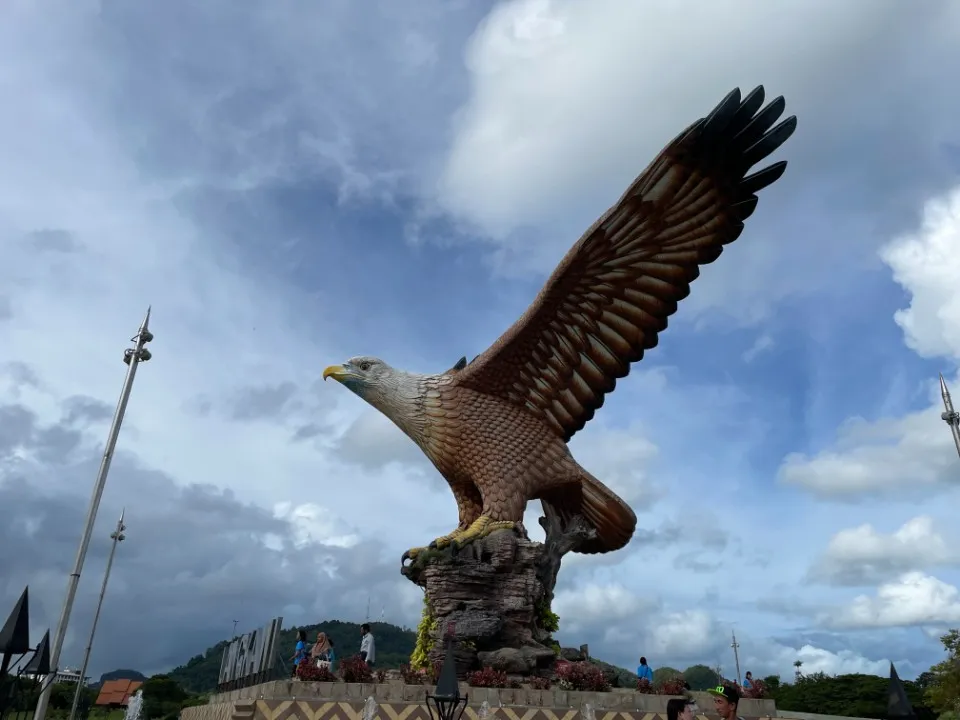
(117, 536)
(132, 357)
(736, 653)
(446, 697)
(950, 416)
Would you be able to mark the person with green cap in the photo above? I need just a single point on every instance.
(726, 698)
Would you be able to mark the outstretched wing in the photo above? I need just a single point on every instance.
(614, 291)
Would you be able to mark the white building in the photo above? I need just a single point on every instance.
(67, 675)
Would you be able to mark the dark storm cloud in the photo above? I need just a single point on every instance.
(302, 407)
(195, 557)
(80, 408)
(262, 401)
(53, 241)
(677, 531)
(859, 573)
(20, 374)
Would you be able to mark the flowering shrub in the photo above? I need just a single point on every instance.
(355, 670)
(540, 683)
(672, 686)
(757, 690)
(644, 686)
(411, 675)
(309, 672)
(581, 676)
(488, 677)
(420, 676)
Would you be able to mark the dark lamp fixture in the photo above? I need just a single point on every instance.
(446, 701)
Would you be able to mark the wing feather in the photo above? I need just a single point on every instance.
(612, 295)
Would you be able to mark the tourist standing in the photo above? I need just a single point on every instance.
(300, 652)
(644, 672)
(368, 646)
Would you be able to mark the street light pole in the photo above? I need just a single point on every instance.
(736, 654)
(950, 416)
(117, 536)
(132, 357)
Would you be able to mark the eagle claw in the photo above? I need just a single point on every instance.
(410, 554)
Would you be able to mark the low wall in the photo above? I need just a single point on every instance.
(294, 700)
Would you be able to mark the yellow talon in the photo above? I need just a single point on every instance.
(481, 527)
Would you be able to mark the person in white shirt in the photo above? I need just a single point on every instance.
(368, 647)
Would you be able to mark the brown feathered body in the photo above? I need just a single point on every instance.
(497, 428)
(497, 456)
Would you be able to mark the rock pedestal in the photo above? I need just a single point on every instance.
(494, 596)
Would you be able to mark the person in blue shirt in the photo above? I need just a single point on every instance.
(332, 656)
(748, 680)
(644, 672)
(300, 652)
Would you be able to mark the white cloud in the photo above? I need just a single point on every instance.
(914, 599)
(927, 264)
(592, 603)
(762, 344)
(914, 451)
(687, 634)
(861, 555)
(573, 91)
(903, 456)
(817, 660)
(311, 523)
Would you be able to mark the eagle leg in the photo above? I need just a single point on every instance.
(480, 528)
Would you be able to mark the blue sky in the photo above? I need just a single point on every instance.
(291, 185)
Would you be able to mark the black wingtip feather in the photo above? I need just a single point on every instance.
(769, 142)
(751, 103)
(722, 115)
(753, 184)
(760, 123)
(744, 209)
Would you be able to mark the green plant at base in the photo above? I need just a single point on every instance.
(425, 630)
(547, 619)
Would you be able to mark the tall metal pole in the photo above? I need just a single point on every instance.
(117, 536)
(132, 357)
(950, 416)
(736, 655)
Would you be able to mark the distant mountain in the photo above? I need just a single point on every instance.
(122, 674)
(394, 646)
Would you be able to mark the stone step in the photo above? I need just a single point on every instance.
(244, 710)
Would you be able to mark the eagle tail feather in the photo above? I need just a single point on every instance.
(610, 516)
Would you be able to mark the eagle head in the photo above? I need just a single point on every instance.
(395, 393)
(368, 377)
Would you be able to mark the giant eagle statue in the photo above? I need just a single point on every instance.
(497, 428)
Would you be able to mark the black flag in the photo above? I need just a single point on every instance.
(898, 704)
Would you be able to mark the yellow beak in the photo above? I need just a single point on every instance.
(337, 372)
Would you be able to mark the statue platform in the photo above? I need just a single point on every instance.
(296, 700)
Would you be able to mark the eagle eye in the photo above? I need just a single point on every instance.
(365, 365)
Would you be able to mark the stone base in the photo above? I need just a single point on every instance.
(490, 596)
(292, 700)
